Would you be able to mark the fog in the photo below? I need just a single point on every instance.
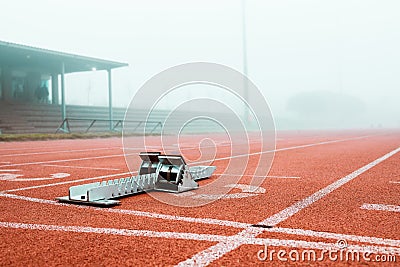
(320, 64)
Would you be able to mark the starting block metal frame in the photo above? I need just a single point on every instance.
(167, 173)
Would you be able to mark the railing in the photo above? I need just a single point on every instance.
(65, 124)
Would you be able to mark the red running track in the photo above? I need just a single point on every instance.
(324, 189)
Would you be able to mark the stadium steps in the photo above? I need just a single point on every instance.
(45, 118)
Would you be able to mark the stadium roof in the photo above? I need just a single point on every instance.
(23, 56)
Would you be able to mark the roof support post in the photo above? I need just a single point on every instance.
(63, 108)
(110, 110)
(245, 70)
(54, 89)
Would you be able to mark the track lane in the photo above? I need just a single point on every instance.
(297, 167)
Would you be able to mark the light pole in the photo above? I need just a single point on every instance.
(245, 70)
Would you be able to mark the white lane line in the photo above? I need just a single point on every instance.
(31, 179)
(328, 235)
(66, 160)
(134, 212)
(32, 199)
(68, 182)
(40, 147)
(287, 148)
(160, 147)
(380, 207)
(284, 149)
(201, 237)
(215, 252)
(62, 151)
(301, 232)
(224, 158)
(394, 182)
(22, 148)
(180, 218)
(283, 177)
(80, 167)
(115, 231)
(9, 170)
(259, 176)
(298, 206)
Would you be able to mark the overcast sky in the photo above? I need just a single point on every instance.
(343, 50)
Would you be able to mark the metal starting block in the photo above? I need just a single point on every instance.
(167, 173)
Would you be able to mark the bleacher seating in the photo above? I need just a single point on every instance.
(45, 118)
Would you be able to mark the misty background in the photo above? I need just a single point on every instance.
(320, 64)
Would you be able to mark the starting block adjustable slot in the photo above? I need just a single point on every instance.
(201, 172)
(102, 192)
(79, 192)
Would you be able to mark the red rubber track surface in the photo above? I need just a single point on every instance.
(37, 231)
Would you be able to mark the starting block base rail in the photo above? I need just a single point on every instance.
(99, 203)
(201, 172)
(105, 193)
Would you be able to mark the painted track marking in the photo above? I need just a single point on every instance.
(301, 232)
(264, 229)
(68, 182)
(380, 207)
(328, 235)
(283, 177)
(65, 160)
(200, 162)
(60, 151)
(81, 167)
(215, 252)
(286, 148)
(134, 212)
(86, 179)
(201, 237)
(259, 176)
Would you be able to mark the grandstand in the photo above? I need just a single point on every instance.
(43, 118)
(20, 118)
(32, 83)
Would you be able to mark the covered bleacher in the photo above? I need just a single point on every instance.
(32, 97)
(32, 89)
(42, 118)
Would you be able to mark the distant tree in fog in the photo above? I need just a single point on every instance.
(326, 109)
